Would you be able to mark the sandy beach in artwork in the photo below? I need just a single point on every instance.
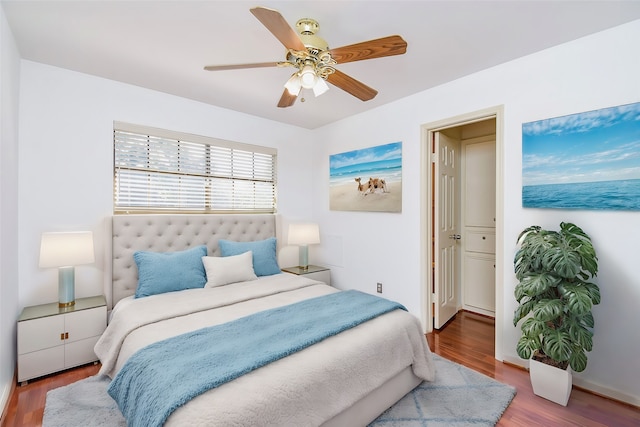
(346, 197)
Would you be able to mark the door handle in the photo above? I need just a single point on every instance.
(455, 236)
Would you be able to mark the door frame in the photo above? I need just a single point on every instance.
(426, 216)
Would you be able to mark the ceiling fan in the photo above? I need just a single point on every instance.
(314, 61)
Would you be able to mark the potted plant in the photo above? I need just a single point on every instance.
(555, 297)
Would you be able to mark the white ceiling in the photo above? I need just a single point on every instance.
(163, 45)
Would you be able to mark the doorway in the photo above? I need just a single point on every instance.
(461, 217)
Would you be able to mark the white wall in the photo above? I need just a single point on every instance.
(66, 161)
(591, 73)
(9, 93)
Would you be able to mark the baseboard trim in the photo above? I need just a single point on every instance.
(584, 385)
(606, 392)
(516, 361)
(5, 398)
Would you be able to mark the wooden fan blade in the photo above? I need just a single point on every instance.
(378, 48)
(352, 86)
(279, 27)
(286, 100)
(241, 66)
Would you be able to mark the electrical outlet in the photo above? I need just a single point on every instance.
(379, 288)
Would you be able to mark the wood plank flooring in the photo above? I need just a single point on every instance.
(468, 339)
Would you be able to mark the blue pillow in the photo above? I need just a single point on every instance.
(265, 262)
(170, 271)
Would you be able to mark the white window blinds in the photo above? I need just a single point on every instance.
(163, 171)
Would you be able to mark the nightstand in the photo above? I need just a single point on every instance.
(52, 338)
(315, 272)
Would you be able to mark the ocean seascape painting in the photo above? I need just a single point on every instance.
(369, 179)
(588, 160)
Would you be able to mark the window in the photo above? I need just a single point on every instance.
(157, 170)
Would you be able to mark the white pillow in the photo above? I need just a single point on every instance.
(230, 269)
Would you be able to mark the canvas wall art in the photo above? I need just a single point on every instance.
(369, 179)
(588, 160)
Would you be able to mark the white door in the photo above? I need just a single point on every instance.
(447, 224)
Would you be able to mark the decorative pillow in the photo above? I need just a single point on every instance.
(230, 269)
(265, 262)
(160, 272)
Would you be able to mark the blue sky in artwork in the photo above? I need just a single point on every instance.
(366, 155)
(601, 145)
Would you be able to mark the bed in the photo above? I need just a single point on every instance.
(344, 379)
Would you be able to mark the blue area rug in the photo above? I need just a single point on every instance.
(458, 397)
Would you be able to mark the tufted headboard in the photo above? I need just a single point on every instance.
(169, 233)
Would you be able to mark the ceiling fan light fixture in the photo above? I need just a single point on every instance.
(294, 84)
(308, 77)
(320, 87)
(314, 62)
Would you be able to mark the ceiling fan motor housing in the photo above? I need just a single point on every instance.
(308, 28)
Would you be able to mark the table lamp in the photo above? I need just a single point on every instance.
(304, 235)
(66, 250)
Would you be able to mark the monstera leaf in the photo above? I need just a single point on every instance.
(578, 360)
(548, 310)
(534, 284)
(564, 261)
(557, 344)
(576, 297)
(579, 334)
(527, 345)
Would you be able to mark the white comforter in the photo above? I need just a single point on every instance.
(306, 388)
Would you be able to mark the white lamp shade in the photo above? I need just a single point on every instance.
(304, 234)
(66, 249)
(320, 87)
(293, 85)
(308, 77)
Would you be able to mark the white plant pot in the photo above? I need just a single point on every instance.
(552, 383)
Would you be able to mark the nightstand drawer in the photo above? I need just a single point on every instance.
(39, 363)
(80, 352)
(38, 334)
(86, 323)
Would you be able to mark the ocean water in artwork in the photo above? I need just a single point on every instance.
(602, 195)
(587, 160)
(391, 170)
(382, 161)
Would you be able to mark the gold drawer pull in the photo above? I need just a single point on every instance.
(66, 335)
(62, 336)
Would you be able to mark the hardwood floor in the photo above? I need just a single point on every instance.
(468, 340)
(26, 405)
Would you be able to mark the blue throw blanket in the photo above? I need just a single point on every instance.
(158, 379)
